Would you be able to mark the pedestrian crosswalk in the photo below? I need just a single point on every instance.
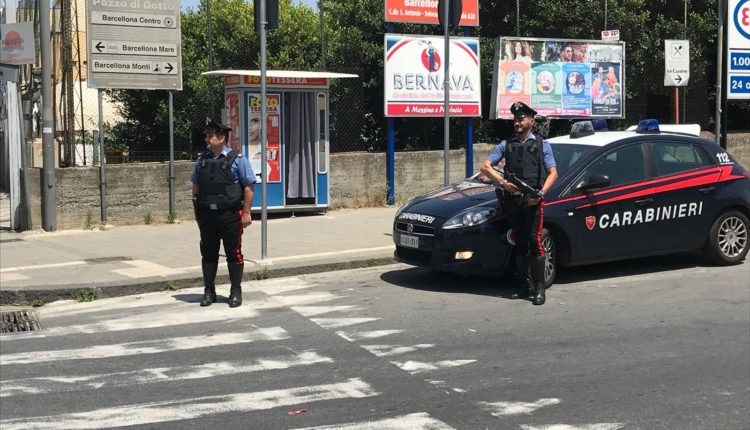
(159, 360)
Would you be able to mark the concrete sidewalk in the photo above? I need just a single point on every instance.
(41, 267)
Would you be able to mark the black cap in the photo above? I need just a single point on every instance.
(521, 108)
(216, 127)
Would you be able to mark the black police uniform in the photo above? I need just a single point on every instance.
(526, 161)
(218, 210)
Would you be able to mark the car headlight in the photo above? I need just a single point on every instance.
(469, 218)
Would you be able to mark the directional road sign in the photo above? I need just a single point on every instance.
(676, 63)
(134, 44)
(738, 50)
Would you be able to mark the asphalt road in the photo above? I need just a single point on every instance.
(649, 344)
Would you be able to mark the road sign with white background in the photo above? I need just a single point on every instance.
(17, 43)
(611, 35)
(676, 63)
(738, 50)
(134, 44)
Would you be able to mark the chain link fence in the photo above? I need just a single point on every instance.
(357, 121)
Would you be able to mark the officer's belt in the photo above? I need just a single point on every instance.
(216, 206)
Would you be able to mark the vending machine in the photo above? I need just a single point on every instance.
(297, 147)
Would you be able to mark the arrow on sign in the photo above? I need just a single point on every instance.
(99, 46)
(678, 79)
(169, 68)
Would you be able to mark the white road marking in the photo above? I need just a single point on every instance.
(145, 269)
(42, 266)
(326, 254)
(281, 285)
(389, 350)
(340, 322)
(597, 426)
(306, 299)
(187, 409)
(160, 318)
(362, 335)
(53, 384)
(416, 421)
(311, 311)
(9, 277)
(418, 366)
(69, 307)
(500, 409)
(147, 347)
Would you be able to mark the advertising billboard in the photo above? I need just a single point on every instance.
(273, 135)
(426, 12)
(414, 76)
(562, 78)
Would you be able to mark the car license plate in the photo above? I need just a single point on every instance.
(409, 241)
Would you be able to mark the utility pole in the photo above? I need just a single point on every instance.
(49, 186)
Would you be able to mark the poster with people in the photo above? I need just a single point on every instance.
(546, 93)
(514, 85)
(232, 106)
(606, 91)
(273, 135)
(559, 77)
(576, 100)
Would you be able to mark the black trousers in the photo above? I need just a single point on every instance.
(221, 226)
(526, 222)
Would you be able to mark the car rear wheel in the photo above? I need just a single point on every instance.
(550, 257)
(727, 241)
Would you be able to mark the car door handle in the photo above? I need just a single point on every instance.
(707, 190)
(644, 202)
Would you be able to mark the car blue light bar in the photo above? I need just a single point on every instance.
(647, 126)
(581, 129)
(600, 124)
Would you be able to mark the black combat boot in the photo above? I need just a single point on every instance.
(209, 277)
(235, 277)
(537, 271)
(525, 287)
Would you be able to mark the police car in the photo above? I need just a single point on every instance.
(646, 191)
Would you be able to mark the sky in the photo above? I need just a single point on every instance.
(311, 3)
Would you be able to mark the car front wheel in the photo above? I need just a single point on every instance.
(550, 257)
(727, 241)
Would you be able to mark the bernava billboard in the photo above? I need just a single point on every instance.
(559, 78)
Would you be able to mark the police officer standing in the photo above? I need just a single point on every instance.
(530, 158)
(223, 184)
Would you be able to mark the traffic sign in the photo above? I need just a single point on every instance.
(134, 44)
(611, 35)
(738, 50)
(17, 43)
(676, 63)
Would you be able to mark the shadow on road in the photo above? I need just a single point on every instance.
(420, 278)
(640, 266)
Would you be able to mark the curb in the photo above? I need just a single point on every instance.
(68, 292)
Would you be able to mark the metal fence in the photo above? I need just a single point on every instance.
(357, 119)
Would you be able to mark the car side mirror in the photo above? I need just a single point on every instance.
(597, 180)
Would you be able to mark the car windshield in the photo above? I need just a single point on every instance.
(567, 155)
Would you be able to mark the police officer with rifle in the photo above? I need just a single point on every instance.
(529, 172)
(223, 184)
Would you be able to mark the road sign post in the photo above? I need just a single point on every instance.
(134, 44)
(676, 69)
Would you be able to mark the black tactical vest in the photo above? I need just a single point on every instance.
(216, 188)
(526, 160)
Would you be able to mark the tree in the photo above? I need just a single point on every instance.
(235, 45)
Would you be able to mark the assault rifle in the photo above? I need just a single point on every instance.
(520, 184)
